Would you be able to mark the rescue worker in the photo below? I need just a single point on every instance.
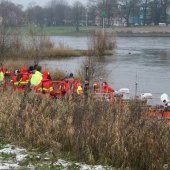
(86, 86)
(2, 77)
(71, 83)
(31, 71)
(6, 76)
(79, 89)
(46, 84)
(14, 78)
(106, 88)
(64, 86)
(96, 88)
(24, 74)
(36, 77)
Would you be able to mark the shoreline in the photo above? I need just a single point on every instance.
(147, 31)
(166, 35)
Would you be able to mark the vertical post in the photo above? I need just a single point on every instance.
(136, 90)
(103, 14)
(86, 82)
(103, 25)
(100, 88)
(136, 86)
(87, 72)
(86, 17)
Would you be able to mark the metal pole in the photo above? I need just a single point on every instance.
(101, 88)
(87, 72)
(136, 90)
(103, 25)
(86, 17)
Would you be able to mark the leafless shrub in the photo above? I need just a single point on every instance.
(100, 42)
(96, 70)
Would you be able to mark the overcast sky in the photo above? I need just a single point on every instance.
(25, 3)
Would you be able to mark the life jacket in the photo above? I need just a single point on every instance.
(36, 78)
(46, 84)
(4, 73)
(79, 88)
(64, 87)
(24, 77)
(1, 76)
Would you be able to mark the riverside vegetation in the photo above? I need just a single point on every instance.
(86, 130)
(14, 45)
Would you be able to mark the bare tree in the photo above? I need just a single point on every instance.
(35, 15)
(11, 14)
(144, 5)
(165, 6)
(56, 12)
(110, 6)
(156, 11)
(77, 14)
(127, 8)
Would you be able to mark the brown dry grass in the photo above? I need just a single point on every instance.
(38, 47)
(140, 30)
(12, 64)
(60, 52)
(96, 131)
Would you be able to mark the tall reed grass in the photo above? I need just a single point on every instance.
(95, 131)
(31, 46)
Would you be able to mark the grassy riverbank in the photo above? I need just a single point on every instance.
(86, 130)
(86, 31)
(56, 31)
(148, 31)
(41, 47)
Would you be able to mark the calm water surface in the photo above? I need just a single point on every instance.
(142, 60)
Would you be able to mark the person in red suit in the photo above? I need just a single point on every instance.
(46, 84)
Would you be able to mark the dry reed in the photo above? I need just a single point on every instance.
(95, 131)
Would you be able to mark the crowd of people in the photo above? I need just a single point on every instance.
(32, 79)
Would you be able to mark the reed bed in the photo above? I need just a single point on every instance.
(91, 130)
(32, 47)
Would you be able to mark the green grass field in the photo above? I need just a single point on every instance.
(52, 31)
(85, 31)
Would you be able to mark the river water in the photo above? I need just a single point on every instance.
(145, 60)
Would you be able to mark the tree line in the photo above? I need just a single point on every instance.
(60, 13)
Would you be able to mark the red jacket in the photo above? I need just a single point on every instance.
(5, 71)
(14, 78)
(46, 83)
(24, 75)
(64, 86)
(107, 89)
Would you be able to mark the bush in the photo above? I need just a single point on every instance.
(100, 42)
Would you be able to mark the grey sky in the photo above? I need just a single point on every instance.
(25, 3)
